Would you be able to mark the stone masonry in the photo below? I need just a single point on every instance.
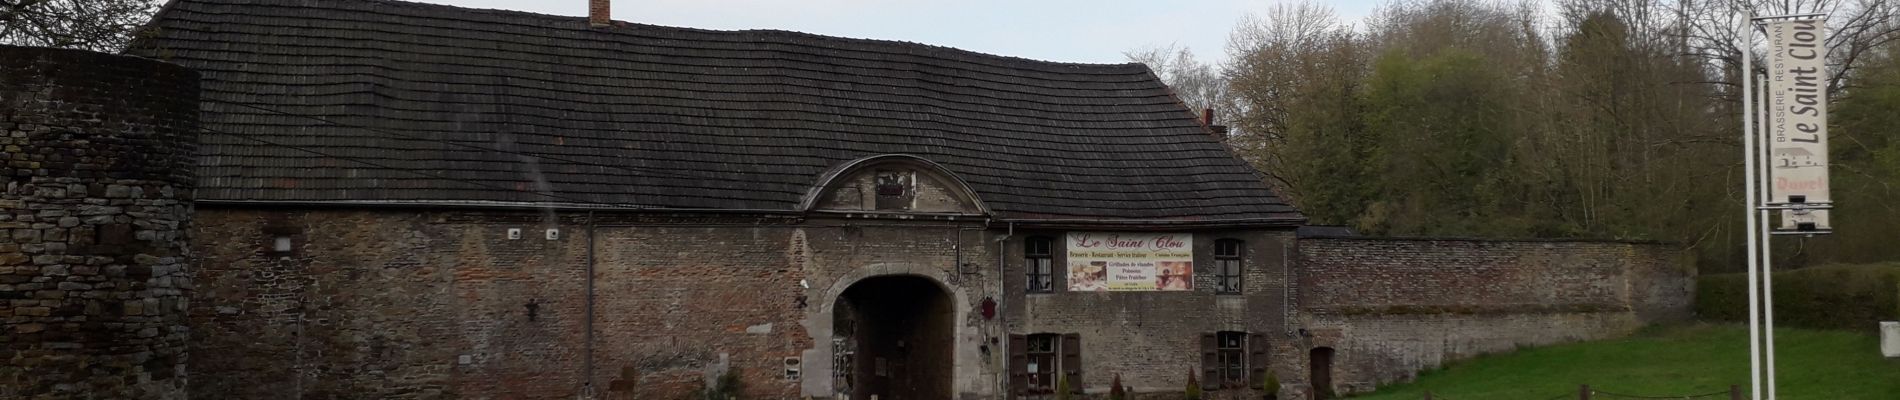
(1391, 307)
(98, 153)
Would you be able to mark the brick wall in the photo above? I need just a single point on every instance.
(98, 152)
(386, 305)
(1392, 307)
(441, 304)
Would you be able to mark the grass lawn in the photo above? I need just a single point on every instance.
(1677, 360)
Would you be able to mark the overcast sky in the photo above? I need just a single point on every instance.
(1085, 31)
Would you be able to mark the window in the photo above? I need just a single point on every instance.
(1231, 360)
(1232, 353)
(1039, 263)
(1043, 362)
(1227, 266)
(1039, 363)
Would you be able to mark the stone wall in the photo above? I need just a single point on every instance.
(1393, 307)
(394, 303)
(98, 153)
(1152, 339)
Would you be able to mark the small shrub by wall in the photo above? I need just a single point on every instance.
(1850, 297)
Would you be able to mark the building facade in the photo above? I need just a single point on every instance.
(400, 200)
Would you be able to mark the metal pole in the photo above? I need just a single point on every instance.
(1767, 242)
(1748, 171)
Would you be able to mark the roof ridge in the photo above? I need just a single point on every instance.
(581, 21)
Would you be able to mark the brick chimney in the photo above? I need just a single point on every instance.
(597, 13)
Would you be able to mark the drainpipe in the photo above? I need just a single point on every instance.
(957, 247)
(588, 359)
(1002, 309)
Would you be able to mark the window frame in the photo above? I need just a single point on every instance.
(1230, 280)
(1039, 267)
(1231, 361)
(1048, 362)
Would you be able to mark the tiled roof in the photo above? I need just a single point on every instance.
(664, 117)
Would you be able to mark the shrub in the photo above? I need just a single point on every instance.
(1115, 389)
(1063, 391)
(1852, 297)
(1270, 385)
(1193, 389)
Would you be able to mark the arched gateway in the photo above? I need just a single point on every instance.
(893, 339)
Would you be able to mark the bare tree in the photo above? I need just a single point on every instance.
(99, 25)
(1856, 27)
(1293, 76)
(1197, 84)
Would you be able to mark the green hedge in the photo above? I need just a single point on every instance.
(1853, 297)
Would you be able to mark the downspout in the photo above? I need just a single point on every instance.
(1002, 309)
(588, 360)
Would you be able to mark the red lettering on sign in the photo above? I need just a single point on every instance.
(1790, 184)
(1116, 242)
(1167, 242)
(1083, 240)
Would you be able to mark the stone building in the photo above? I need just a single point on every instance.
(401, 200)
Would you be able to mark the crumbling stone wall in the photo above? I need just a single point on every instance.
(98, 153)
(1392, 307)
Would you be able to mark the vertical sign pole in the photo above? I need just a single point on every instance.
(1747, 76)
(1767, 237)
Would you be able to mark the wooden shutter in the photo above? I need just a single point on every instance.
(1210, 361)
(1018, 365)
(1072, 360)
(1257, 363)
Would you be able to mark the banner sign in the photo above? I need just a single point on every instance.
(1797, 119)
(1117, 261)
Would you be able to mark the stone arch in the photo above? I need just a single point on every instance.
(846, 173)
(821, 360)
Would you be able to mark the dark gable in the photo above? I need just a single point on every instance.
(671, 118)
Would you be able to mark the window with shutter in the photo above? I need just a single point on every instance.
(1039, 362)
(1044, 363)
(1231, 353)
